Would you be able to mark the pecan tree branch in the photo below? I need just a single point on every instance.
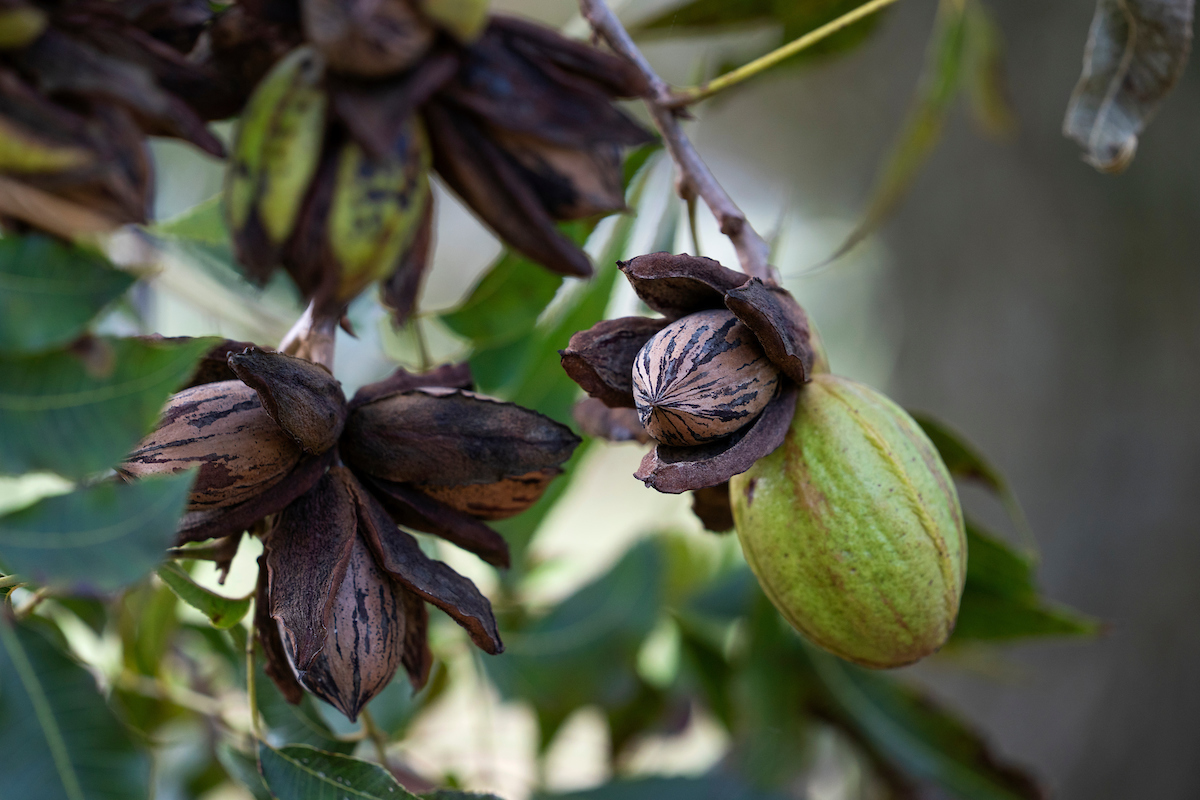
(752, 251)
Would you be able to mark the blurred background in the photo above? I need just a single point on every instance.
(1050, 313)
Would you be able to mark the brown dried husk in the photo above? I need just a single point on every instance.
(601, 358)
(499, 500)
(223, 428)
(303, 398)
(451, 437)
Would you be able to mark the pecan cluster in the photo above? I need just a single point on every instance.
(328, 483)
(332, 157)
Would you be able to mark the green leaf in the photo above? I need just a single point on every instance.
(224, 612)
(1000, 601)
(97, 539)
(59, 740)
(923, 128)
(964, 460)
(450, 794)
(77, 414)
(711, 787)
(203, 223)
(1136, 52)
(990, 617)
(584, 652)
(504, 305)
(50, 291)
(906, 730)
(300, 772)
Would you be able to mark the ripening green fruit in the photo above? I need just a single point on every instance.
(275, 153)
(377, 208)
(853, 527)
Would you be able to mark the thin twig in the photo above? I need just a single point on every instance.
(377, 737)
(252, 691)
(750, 247)
(686, 97)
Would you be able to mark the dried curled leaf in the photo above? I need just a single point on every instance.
(307, 552)
(480, 173)
(601, 358)
(302, 397)
(599, 421)
(674, 470)
(447, 437)
(223, 428)
(1136, 52)
(678, 285)
(778, 322)
(702, 378)
(368, 38)
(401, 556)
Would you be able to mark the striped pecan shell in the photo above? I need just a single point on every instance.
(702, 378)
(223, 428)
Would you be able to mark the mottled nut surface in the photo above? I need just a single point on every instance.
(223, 428)
(701, 378)
(853, 527)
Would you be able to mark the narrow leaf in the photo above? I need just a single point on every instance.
(1000, 601)
(300, 772)
(59, 740)
(984, 78)
(909, 732)
(76, 413)
(923, 128)
(50, 291)
(1136, 52)
(224, 612)
(964, 460)
(97, 539)
(203, 223)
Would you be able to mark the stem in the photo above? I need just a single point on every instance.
(694, 94)
(251, 691)
(378, 738)
(750, 247)
(312, 337)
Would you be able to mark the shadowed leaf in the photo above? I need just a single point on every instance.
(585, 650)
(908, 732)
(1136, 51)
(50, 291)
(300, 772)
(76, 415)
(59, 740)
(708, 787)
(222, 611)
(96, 539)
